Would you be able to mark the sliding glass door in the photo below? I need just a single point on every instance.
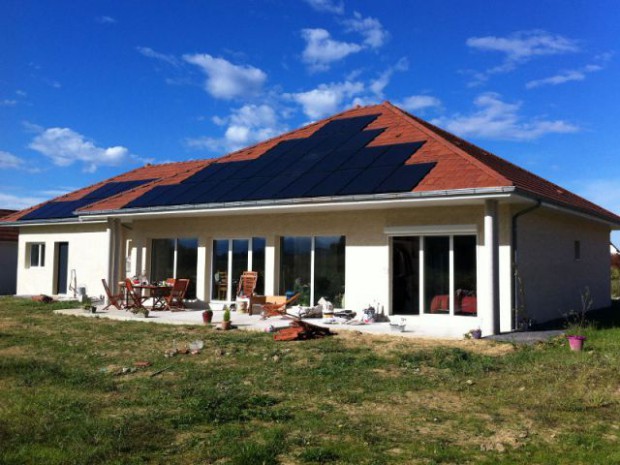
(175, 258)
(435, 273)
(231, 257)
(313, 267)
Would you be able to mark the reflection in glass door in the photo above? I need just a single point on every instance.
(231, 257)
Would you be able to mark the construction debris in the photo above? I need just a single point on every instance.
(301, 331)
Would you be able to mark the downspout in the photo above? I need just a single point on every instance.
(515, 258)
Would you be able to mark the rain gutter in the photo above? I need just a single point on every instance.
(316, 203)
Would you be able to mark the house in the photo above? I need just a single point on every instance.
(369, 206)
(8, 257)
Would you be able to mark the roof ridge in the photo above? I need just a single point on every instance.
(417, 122)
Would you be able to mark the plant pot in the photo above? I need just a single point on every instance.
(476, 333)
(576, 342)
(207, 316)
(225, 325)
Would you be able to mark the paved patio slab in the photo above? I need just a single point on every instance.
(244, 321)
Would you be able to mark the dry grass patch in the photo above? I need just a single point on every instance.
(384, 344)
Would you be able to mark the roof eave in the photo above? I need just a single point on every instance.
(318, 203)
(591, 215)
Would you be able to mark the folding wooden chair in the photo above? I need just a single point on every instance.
(177, 294)
(134, 299)
(278, 309)
(222, 285)
(247, 285)
(114, 300)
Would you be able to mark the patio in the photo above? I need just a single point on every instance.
(243, 321)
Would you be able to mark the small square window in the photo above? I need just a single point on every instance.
(37, 254)
(577, 250)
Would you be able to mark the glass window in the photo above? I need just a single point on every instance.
(437, 274)
(220, 269)
(329, 269)
(406, 275)
(465, 276)
(162, 259)
(258, 262)
(37, 254)
(163, 252)
(295, 255)
(187, 263)
(240, 252)
(240, 249)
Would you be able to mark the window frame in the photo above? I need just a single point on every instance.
(230, 292)
(423, 232)
(40, 246)
(312, 283)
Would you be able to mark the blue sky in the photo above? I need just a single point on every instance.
(91, 89)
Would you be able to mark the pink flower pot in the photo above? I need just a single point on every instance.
(576, 342)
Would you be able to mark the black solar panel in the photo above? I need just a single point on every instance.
(65, 209)
(271, 188)
(335, 160)
(368, 180)
(397, 154)
(333, 183)
(405, 178)
(304, 183)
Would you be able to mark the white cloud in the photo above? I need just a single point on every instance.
(8, 160)
(328, 6)
(65, 147)
(414, 103)
(326, 98)
(19, 202)
(496, 119)
(321, 50)
(523, 45)
(518, 48)
(8, 103)
(105, 20)
(21, 93)
(378, 85)
(565, 76)
(226, 80)
(150, 53)
(370, 28)
(245, 125)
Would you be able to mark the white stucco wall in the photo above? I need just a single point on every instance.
(552, 277)
(8, 267)
(88, 256)
(367, 256)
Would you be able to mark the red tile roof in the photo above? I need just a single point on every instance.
(7, 234)
(459, 164)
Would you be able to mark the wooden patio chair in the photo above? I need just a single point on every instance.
(134, 298)
(114, 300)
(174, 300)
(247, 286)
(278, 309)
(222, 285)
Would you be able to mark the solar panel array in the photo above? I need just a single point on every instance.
(65, 209)
(335, 160)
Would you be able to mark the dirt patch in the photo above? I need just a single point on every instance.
(387, 344)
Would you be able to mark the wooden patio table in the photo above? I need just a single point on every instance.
(157, 293)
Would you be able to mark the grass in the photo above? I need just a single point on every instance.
(246, 399)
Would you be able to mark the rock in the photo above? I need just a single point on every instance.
(276, 358)
(469, 382)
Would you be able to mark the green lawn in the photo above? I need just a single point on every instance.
(249, 400)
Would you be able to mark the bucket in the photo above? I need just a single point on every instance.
(576, 342)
